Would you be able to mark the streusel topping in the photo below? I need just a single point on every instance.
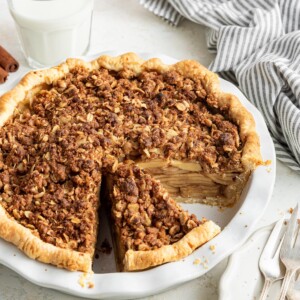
(54, 149)
(146, 217)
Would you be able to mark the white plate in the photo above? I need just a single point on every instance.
(237, 224)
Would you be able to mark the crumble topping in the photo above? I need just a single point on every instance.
(145, 215)
(54, 148)
(153, 116)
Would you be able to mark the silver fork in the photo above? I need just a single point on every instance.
(269, 262)
(290, 252)
(294, 289)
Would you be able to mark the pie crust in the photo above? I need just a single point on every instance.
(138, 260)
(36, 81)
(35, 248)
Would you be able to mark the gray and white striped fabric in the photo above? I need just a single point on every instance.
(257, 45)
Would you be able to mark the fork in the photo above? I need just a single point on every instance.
(269, 262)
(294, 289)
(290, 252)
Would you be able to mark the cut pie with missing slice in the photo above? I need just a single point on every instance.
(149, 227)
(65, 128)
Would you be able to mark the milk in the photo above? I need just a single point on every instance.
(52, 30)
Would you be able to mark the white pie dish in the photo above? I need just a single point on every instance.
(237, 224)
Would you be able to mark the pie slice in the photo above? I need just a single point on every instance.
(150, 228)
(63, 129)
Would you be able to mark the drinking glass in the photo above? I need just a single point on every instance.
(52, 30)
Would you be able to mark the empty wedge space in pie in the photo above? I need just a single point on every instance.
(151, 135)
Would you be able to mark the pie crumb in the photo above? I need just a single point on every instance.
(85, 279)
(267, 162)
(105, 247)
(221, 209)
(82, 279)
(203, 262)
(212, 248)
(291, 210)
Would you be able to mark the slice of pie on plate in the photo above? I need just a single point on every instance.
(63, 129)
(149, 227)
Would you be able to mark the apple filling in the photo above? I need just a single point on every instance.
(187, 182)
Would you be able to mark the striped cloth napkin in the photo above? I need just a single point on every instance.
(257, 45)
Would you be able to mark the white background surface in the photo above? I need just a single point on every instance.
(126, 26)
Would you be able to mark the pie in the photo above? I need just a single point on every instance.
(139, 135)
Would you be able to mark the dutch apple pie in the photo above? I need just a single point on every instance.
(140, 135)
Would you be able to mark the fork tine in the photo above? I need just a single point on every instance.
(297, 243)
(274, 237)
(289, 255)
(276, 254)
(288, 238)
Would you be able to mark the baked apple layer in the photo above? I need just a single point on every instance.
(187, 182)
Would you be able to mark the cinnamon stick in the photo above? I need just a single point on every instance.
(7, 62)
(3, 75)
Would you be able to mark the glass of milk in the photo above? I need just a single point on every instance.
(52, 30)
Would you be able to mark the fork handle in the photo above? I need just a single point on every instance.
(266, 288)
(286, 281)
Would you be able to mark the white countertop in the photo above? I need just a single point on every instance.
(126, 26)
